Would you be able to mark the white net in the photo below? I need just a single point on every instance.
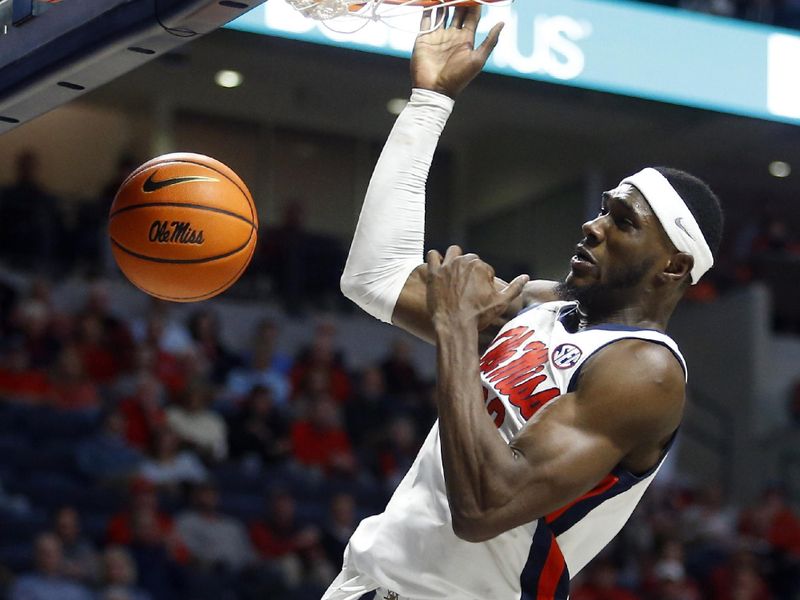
(377, 10)
(321, 10)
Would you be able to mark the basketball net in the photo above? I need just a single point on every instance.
(360, 13)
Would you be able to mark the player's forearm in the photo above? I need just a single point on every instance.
(389, 239)
(476, 459)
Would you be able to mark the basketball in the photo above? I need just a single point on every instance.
(183, 227)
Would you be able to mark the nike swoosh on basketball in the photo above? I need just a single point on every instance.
(679, 223)
(151, 186)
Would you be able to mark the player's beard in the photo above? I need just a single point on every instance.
(600, 300)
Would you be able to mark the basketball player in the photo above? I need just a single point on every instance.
(546, 442)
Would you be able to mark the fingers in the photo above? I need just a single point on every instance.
(485, 49)
(439, 18)
(514, 289)
(432, 19)
(460, 16)
(434, 261)
(452, 252)
(472, 15)
(425, 23)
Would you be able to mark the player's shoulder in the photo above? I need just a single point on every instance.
(635, 363)
(539, 291)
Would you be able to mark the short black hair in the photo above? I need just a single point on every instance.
(702, 202)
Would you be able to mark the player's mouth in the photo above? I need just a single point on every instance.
(583, 259)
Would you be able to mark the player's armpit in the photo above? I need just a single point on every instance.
(627, 405)
(411, 310)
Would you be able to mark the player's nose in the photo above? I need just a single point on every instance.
(593, 230)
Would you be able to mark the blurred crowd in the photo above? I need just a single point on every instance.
(784, 13)
(688, 543)
(143, 459)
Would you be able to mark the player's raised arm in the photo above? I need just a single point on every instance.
(385, 272)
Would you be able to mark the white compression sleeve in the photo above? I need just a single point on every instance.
(389, 238)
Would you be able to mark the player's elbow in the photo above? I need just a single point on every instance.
(348, 286)
(472, 529)
(353, 289)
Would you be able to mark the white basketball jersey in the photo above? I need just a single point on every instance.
(411, 549)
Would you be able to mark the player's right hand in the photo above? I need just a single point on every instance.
(445, 60)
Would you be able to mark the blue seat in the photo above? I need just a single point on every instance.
(312, 511)
(101, 500)
(53, 490)
(17, 557)
(11, 416)
(245, 507)
(49, 425)
(14, 449)
(95, 526)
(54, 456)
(15, 529)
(232, 477)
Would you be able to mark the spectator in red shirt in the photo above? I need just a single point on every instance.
(738, 579)
(143, 412)
(601, 583)
(113, 334)
(321, 367)
(292, 545)
(319, 441)
(774, 521)
(72, 388)
(775, 526)
(99, 357)
(32, 318)
(18, 380)
(667, 580)
(144, 508)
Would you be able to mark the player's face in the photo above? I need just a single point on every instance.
(623, 248)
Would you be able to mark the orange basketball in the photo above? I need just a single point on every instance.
(183, 227)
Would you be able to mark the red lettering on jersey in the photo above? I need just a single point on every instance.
(519, 379)
(511, 341)
(497, 411)
(530, 405)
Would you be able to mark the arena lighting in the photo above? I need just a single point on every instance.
(228, 79)
(778, 168)
(396, 105)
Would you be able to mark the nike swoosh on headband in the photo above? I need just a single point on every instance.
(151, 186)
(682, 227)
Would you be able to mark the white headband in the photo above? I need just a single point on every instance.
(676, 218)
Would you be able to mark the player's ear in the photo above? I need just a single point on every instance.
(678, 266)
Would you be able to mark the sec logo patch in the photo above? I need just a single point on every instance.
(566, 356)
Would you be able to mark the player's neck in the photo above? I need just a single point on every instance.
(637, 316)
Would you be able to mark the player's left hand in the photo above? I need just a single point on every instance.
(462, 290)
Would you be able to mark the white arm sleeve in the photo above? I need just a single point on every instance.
(389, 238)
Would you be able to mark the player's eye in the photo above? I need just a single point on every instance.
(623, 223)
